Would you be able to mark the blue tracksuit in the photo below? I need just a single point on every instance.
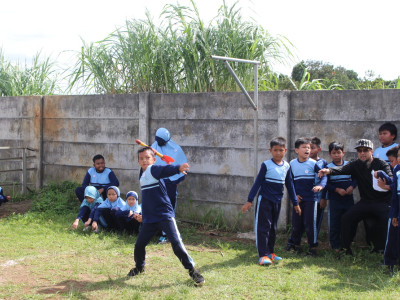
(304, 180)
(87, 209)
(269, 184)
(105, 212)
(158, 214)
(322, 163)
(126, 222)
(104, 180)
(392, 248)
(3, 199)
(381, 152)
(338, 205)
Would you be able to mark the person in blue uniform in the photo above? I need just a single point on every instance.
(339, 193)
(98, 176)
(158, 213)
(303, 170)
(269, 184)
(3, 198)
(129, 217)
(387, 137)
(89, 204)
(314, 154)
(105, 212)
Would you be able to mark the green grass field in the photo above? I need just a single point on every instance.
(41, 258)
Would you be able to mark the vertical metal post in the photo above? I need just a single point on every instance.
(24, 179)
(256, 120)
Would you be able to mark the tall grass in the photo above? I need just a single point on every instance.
(39, 78)
(175, 56)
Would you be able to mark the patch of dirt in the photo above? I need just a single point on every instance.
(8, 208)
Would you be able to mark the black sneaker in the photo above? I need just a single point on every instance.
(312, 252)
(196, 276)
(135, 271)
(290, 247)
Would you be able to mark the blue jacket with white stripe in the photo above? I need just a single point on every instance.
(156, 205)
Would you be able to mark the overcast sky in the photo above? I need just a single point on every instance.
(358, 35)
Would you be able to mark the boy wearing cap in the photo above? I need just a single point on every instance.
(373, 204)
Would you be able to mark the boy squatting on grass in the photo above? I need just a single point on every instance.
(273, 174)
(304, 170)
(158, 213)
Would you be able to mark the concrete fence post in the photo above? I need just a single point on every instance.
(144, 124)
(284, 131)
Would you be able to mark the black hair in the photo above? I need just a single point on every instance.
(335, 146)
(277, 141)
(316, 141)
(97, 157)
(146, 149)
(393, 151)
(301, 141)
(389, 127)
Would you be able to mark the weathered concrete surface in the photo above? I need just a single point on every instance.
(216, 130)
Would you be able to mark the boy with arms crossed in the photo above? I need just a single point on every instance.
(273, 174)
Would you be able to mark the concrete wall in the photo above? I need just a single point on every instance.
(216, 130)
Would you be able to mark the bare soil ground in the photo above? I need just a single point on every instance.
(8, 208)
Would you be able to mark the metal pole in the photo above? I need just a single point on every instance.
(256, 120)
(240, 85)
(235, 59)
(24, 171)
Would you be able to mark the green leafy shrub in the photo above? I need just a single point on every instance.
(56, 198)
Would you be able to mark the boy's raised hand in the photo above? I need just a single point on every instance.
(184, 168)
(246, 207)
(297, 209)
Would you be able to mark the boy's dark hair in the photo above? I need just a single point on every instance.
(393, 151)
(316, 141)
(335, 146)
(277, 141)
(389, 127)
(301, 141)
(96, 157)
(146, 149)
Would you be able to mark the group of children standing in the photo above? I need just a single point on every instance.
(309, 193)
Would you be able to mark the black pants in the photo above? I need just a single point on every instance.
(362, 211)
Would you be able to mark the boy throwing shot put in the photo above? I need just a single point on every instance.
(158, 213)
(273, 174)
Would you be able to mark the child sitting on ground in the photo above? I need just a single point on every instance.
(88, 207)
(130, 217)
(3, 199)
(107, 210)
(158, 213)
(273, 175)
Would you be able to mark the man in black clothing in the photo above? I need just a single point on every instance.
(373, 204)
